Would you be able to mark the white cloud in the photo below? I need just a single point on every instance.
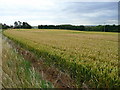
(21, 4)
(112, 21)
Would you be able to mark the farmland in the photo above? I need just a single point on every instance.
(88, 57)
(18, 72)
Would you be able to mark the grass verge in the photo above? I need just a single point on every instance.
(18, 72)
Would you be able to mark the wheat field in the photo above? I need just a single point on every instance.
(88, 57)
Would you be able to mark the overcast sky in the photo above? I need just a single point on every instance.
(76, 12)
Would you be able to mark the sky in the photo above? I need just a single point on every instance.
(54, 12)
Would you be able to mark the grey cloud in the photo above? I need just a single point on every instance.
(63, 12)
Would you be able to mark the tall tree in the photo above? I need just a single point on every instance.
(19, 24)
(15, 24)
(23, 25)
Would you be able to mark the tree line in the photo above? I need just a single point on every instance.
(102, 28)
(5, 26)
(69, 27)
(17, 25)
